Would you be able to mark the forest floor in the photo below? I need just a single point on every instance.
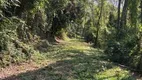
(68, 60)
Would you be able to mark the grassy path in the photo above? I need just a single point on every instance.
(72, 60)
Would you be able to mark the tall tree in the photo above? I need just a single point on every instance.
(139, 66)
(141, 11)
(98, 22)
(119, 8)
(124, 14)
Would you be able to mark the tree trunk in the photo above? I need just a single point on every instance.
(118, 21)
(119, 7)
(124, 14)
(141, 12)
(139, 66)
(98, 23)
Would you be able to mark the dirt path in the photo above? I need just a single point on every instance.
(14, 70)
(73, 60)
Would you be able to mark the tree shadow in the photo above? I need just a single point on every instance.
(78, 66)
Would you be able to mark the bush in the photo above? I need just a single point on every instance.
(120, 51)
(11, 49)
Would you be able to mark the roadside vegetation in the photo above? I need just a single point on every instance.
(85, 39)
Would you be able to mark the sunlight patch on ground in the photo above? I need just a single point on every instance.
(115, 73)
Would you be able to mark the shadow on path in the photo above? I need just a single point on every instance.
(71, 65)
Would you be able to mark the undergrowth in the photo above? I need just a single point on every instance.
(74, 60)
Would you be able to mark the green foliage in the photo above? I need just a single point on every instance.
(134, 12)
(7, 32)
(23, 22)
(120, 51)
(123, 42)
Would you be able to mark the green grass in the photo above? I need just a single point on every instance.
(74, 60)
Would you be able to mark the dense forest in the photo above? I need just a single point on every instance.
(31, 29)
